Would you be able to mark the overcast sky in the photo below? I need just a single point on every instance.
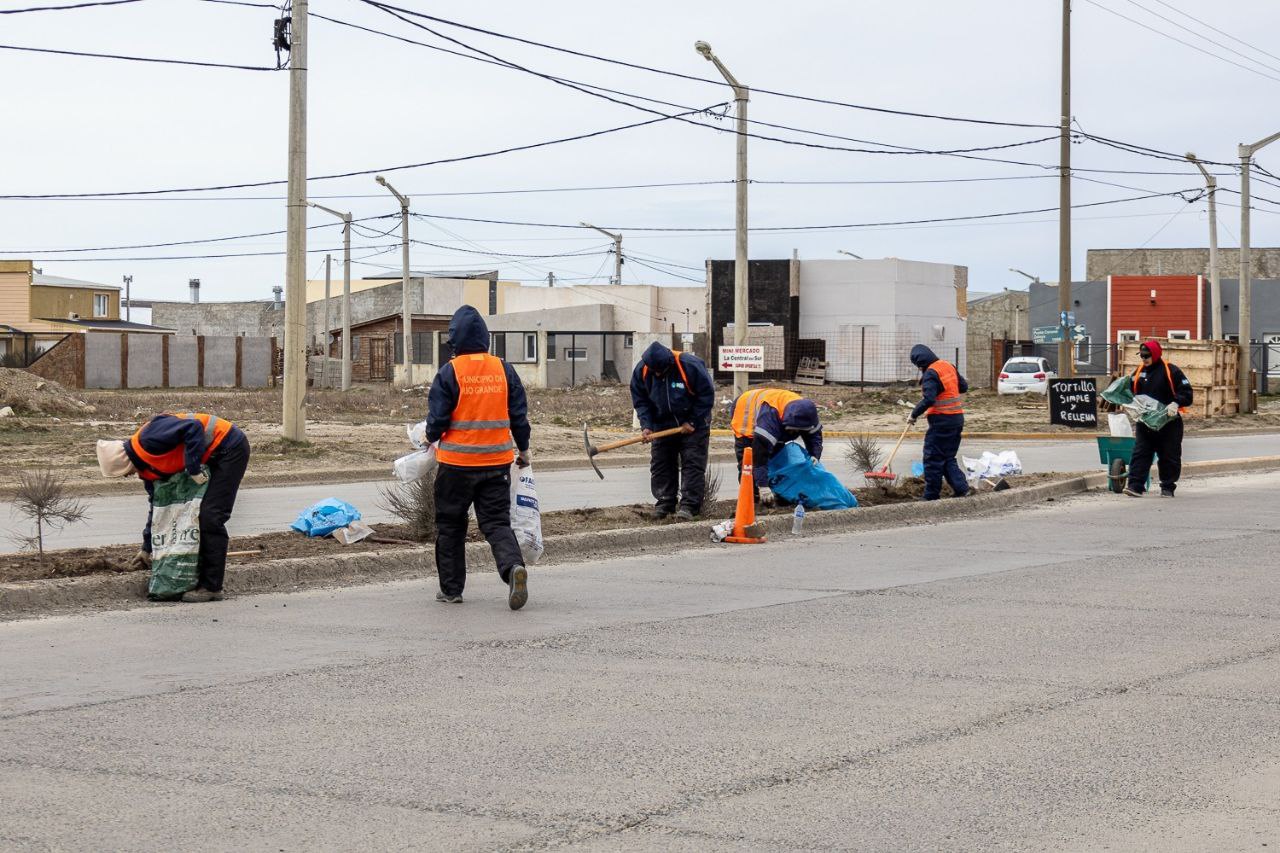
(78, 125)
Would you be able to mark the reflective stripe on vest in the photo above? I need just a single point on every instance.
(948, 402)
(644, 373)
(747, 409)
(171, 462)
(479, 433)
(1169, 374)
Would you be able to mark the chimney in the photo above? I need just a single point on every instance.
(277, 292)
(194, 284)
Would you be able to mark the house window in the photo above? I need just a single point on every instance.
(101, 304)
(628, 341)
(1084, 350)
(576, 354)
(1127, 336)
(355, 348)
(421, 348)
(531, 346)
(1235, 339)
(498, 345)
(1179, 335)
(551, 347)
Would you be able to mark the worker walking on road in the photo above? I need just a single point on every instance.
(674, 389)
(478, 414)
(171, 443)
(765, 419)
(941, 386)
(1167, 385)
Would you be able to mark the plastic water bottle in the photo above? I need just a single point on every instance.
(797, 520)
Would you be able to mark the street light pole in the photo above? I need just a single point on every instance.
(1246, 153)
(346, 293)
(1215, 290)
(741, 94)
(294, 397)
(407, 318)
(617, 250)
(128, 301)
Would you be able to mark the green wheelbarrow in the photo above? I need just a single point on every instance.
(1116, 453)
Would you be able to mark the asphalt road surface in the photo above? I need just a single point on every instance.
(118, 519)
(1094, 673)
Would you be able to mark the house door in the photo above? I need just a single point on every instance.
(1272, 340)
(378, 362)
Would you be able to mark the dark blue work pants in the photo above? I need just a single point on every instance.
(941, 443)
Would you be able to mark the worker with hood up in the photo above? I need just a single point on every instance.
(478, 417)
(765, 419)
(1167, 385)
(941, 386)
(674, 389)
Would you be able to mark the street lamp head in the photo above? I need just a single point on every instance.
(1191, 155)
(381, 180)
(703, 48)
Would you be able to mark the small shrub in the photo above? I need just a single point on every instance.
(715, 475)
(864, 453)
(42, 497)
(414, 504)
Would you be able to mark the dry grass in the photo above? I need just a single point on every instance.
(414, 504)
(42, 498)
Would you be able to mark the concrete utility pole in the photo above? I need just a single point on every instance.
(617, 250)
(741, 94)
(551, 279)
(294, 420)
(346, 293)
(407, 318)
(128, 302)
(1215, 290)
(328, 323)
(1246, 153)
(1066, 363)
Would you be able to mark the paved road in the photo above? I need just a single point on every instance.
(119, 519)
(1108, 682)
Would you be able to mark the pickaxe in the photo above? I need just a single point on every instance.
(592, 450)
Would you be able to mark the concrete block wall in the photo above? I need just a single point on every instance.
(145, 360)
(1003, 317)
(102, 360)
(184, 361)
(1100, 263)
(219, 362)
(255, 362)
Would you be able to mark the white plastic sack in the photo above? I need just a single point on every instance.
(1120, 425)
(526, 519)
(416, 465)
(993, 465)
(418, 435)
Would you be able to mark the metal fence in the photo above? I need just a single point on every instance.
(867, 355)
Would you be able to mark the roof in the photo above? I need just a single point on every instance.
(43, 280)
(459, 274)
(439, 318)
(90, 325)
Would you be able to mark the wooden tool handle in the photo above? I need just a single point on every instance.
(896, 446)
(636, 439)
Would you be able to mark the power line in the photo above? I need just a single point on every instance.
(384, 169)
(635, 260)
(1187, 29)
(1178, 40)
(202, 257)
(1216, 30)
(679, 75)
(245, 3)
(139, 58)
(67, 8)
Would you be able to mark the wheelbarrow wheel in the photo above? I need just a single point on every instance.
(1116, 475)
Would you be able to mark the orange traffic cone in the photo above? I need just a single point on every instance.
(744, 518)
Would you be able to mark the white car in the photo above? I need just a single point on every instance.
(1025, 373)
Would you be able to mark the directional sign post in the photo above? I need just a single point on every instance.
(1046, 334)
(741, 359)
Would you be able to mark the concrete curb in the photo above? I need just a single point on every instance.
(35, 598)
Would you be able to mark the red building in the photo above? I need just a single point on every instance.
(1155, 306)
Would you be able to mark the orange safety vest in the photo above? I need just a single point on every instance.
(170, 463)
(644, 373)
(1167, 372)
(747, 409)
(479, 433)
(948, 402)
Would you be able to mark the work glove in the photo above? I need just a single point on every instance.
(200, 479)
(522, 458)
(911, 420)
(1171, 410)
(140, 561)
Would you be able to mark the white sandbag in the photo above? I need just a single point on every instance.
(1120, 425)
(416, 465)
(991, 464)
(526, 519)
(418, 435)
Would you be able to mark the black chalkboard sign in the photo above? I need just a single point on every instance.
(1074, 403)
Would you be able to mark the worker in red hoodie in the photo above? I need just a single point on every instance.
(1167, 385)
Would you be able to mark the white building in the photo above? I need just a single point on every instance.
(871, 312)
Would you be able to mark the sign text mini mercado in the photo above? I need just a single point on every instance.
(744, 359)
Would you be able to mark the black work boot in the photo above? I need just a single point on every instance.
(517, 587)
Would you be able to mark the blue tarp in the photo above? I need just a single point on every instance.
(796, 478)
(323, 518)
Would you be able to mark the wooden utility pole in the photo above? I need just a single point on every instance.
(294, 420)
(1066, 363)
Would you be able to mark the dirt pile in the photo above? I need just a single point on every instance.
(28, 394)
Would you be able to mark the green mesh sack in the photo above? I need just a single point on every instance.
(175, 536)
(1119, 392)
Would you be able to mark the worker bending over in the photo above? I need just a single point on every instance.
(765, 419)
(941, 386)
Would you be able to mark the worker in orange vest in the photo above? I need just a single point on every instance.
(765, 419)
(171, 443)
(478, 417)
(941, 386)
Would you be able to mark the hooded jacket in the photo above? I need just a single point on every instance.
(1153, 380)
(663, 398)
(773, 430)
(469, 334)
(930, 383)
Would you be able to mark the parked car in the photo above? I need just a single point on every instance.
(1025, 373)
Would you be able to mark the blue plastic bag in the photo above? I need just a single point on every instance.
(917, 469)
(325, 517)
(796, 478)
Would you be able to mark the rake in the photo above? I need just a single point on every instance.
(884, 476)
